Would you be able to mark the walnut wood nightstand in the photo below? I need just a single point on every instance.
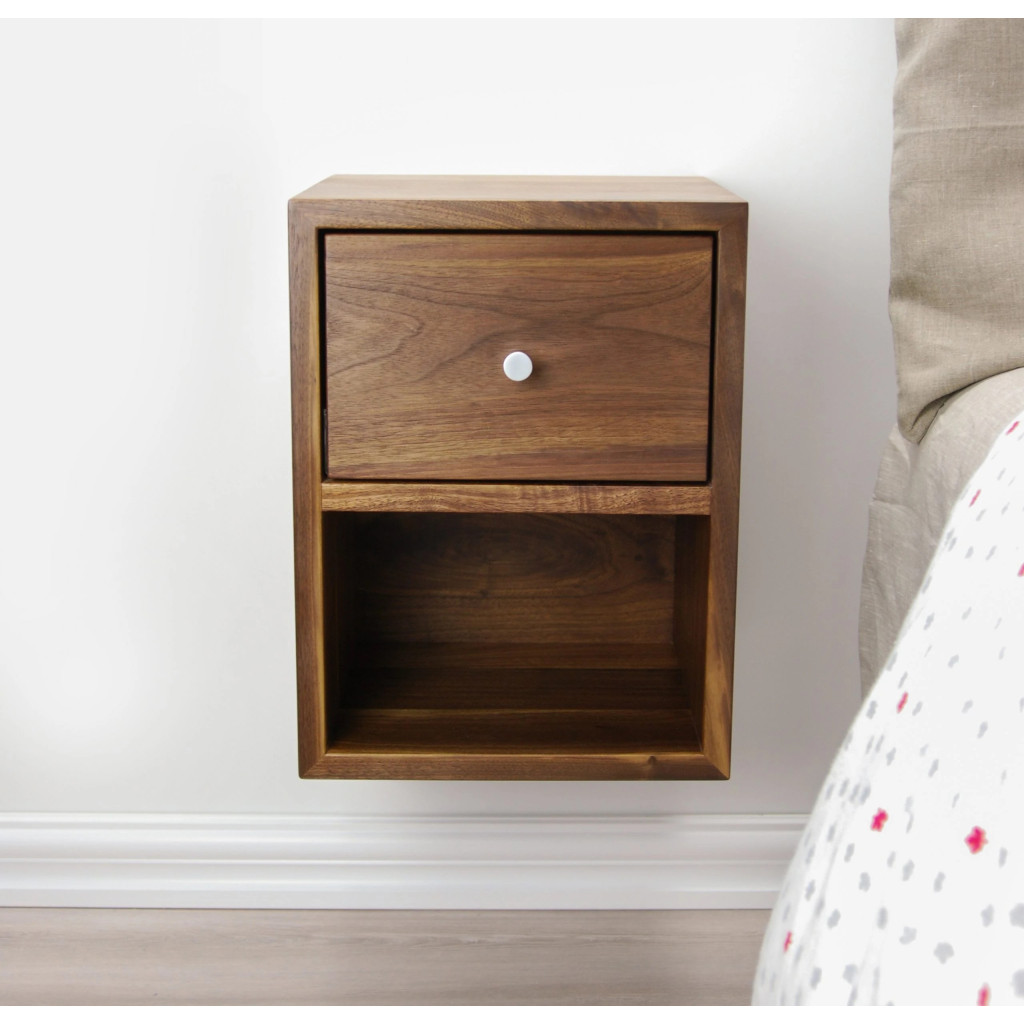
(516, 433)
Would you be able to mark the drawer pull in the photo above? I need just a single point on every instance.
(517, 366)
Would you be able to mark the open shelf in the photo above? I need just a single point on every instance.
(464, 643)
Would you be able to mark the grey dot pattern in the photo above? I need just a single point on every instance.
(916, 898)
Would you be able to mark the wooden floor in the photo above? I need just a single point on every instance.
(354, 957)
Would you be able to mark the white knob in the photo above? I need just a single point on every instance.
(517, 366)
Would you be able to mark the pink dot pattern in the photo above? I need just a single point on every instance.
(908, 885)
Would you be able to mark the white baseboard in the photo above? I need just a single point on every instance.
(328, 862)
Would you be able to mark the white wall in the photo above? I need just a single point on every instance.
(146, 622)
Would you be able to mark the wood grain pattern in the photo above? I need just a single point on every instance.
(454, 578)
(500, 688)
(723, 522)
(350, 957)
(519, 655)
(339, 640)
(690, 612)
(513, 744)
(480, 203)
(433, 496)
(451, 732)
(306, 475)
(549, 654)
(512, 190)
(546, 637)
(618, 328)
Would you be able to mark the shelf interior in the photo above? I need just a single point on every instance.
(473, 634)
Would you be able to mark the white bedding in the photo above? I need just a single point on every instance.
(908, 885)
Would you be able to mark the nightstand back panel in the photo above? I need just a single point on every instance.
(514, 579)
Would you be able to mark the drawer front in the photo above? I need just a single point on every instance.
(418, 326)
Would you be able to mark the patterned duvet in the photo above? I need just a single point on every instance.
(908, 884)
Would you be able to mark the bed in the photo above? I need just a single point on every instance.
(908, 885)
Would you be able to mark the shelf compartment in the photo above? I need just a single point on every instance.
(462, 642)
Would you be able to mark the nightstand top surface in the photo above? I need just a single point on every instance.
(501, 188)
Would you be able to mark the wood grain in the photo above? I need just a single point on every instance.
(618, 328)
(550, 654)
(444, 578)
(690, 616)
(512, 190)
(499, 688)
(450, 732)
(482, 639)
(306, 475)
(472, 203)
(433, 496)
(339, 615)
(519, 655)
(513, 744)
(723, 522)
(57, 957)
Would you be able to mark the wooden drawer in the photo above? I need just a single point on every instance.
(618, 327)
